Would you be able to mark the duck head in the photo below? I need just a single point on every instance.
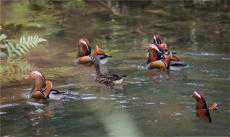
(84, 47)
(33, 75)
(38, 78)
(216, 106)
(163, 47)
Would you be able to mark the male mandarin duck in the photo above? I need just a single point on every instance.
(86, 53)
(163, 49)
(42, 87)
(156, 59)
(202, 110)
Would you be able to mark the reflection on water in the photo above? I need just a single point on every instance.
(149, 103)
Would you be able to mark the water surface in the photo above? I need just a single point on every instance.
(149, 103)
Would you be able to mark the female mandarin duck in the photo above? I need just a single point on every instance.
(106, 79)
(85, 54)
(42, 87)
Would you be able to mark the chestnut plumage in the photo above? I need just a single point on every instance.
(202, 109)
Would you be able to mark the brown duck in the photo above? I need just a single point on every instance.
(42, 87)
(202, 109)
(106, 79)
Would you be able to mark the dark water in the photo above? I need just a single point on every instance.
(149, 103)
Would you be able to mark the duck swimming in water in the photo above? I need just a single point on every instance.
(42, 87)
(85, 52)
(107, 79)
(158, 60)
(202, 110)
(163, 49)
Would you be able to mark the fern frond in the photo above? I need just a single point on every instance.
(10, 48)
(32, 41)
(23, 46)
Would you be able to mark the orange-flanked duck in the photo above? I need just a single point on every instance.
(163, 48)
(85, 52)
(42, 87)
(202, 109)
(156, 59)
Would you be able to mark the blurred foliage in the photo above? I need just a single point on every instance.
(75, 4)
(55, 72)
(45, 16)
(14, 71)
(11, 49)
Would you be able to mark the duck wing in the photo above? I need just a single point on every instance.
(105, 80)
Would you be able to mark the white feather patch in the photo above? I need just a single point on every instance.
(36, 73)
(118, 81)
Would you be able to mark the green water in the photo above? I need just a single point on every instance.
(149, 103)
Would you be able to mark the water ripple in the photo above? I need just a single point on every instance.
(8, 105)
